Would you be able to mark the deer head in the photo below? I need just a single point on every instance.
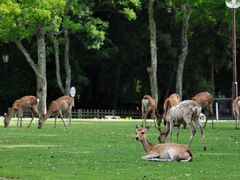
(163, 135)
(141, 132)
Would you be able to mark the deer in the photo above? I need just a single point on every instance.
(171, 101)
(236, 111)
(63, 103)
(149, 104)
(188, 111)
(19, 105)
(205, 100)
(162, 152)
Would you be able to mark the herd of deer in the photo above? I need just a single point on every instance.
(58, 106)
(177, 112)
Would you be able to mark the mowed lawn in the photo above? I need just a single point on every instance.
(108, 150)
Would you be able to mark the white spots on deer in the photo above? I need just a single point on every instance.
(26, 102)
(58, 106)
(188, 111)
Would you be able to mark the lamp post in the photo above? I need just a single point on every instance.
(234, 4)
(5, 58)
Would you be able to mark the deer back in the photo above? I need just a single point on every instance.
(63, 103)
(205, 99)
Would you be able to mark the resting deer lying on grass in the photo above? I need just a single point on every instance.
(236, 111)
(171, 101)
(188, 111)
(26, 102)
(163, 152)
(150, 105)
(205, 100)
(64, 103)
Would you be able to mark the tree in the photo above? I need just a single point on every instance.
(184, 52)
(152, 70)
(79, 18)
(22, 20)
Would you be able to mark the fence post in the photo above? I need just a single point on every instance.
(217, 114)
(79, 113)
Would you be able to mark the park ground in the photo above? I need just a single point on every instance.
(98, 149)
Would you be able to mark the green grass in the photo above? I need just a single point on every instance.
(108, 150)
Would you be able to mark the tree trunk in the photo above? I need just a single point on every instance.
(152, 70)
(183, 56)
(57, 63)
(39, 68)
(67, 64)
(41, 77)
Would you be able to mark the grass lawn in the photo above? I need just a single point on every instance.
(108, 150)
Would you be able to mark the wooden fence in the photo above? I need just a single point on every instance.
(98, 113)
(222, 109)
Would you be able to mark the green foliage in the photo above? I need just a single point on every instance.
(108, 150)
(22, 19)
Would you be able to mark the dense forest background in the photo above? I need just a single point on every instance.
(115, 75)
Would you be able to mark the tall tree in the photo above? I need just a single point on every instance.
(24, 20)
(152, 70)
(184, 52)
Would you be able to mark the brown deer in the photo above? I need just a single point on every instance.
(64, 103)
(188, 111)
(162, 152)
(236, 111)
(205, 100)
(149, 104)
(26, 102)
(171, 101)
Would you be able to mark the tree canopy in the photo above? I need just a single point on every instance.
(109, 49)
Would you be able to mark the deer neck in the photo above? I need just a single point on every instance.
(147, 146)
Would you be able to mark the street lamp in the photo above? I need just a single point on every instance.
(234, 4)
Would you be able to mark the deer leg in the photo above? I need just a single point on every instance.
(202, 134)
(159, 120)
(70, 116)
(61, 116)
(18, 119)
(154, 118)
(143, 116)
(205, 122)
(31, 119)
(55, 120)
(238, 123)
(20, 115)
(170, 130)
(151, 156)
(190, 125)
(178, 131)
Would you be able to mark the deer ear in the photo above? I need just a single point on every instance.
(137, 126)
(5, 115)
(147, 128)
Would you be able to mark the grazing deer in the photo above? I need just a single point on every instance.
(162, 152)
(205, 100)
(26, 102)
(171, 101)
(150, 105)
(236, 111)
(188, 111)
(64, 103)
